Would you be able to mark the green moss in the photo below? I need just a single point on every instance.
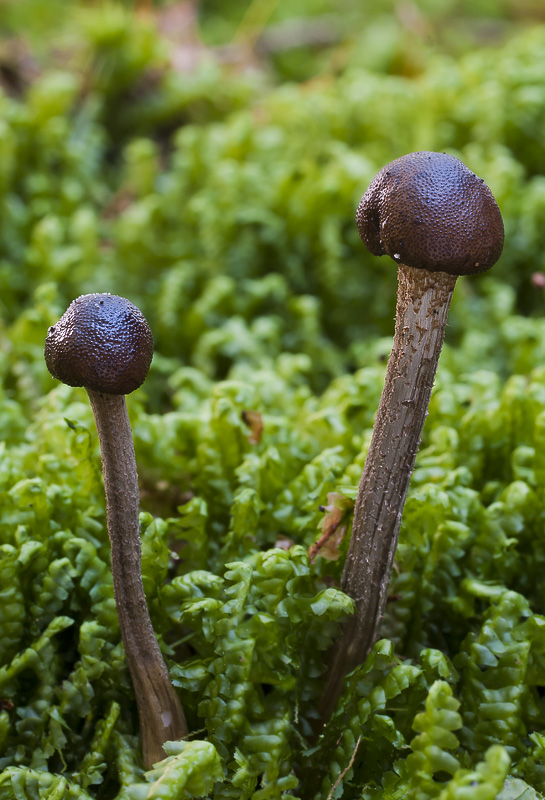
(221, 202)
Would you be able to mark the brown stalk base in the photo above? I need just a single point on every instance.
(422, 307)
(159, 709)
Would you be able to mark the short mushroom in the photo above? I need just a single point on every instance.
(104, 343)
(436, 219)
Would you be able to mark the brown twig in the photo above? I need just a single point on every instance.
(349, 766)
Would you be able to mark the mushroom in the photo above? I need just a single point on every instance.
(104, 343)
(436, 219)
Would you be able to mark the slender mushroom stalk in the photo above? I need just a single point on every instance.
(437, 220)
(103, 343)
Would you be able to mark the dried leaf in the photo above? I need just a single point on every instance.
(254, 421)
(333, 532)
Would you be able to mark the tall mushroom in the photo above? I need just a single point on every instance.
(436, 219)
(104, 343)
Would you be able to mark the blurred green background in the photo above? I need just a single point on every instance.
(180, 152)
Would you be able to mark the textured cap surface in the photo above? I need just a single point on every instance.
(428, 210)
(102, 342)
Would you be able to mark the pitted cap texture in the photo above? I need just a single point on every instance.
(428, 210)
(102, 342)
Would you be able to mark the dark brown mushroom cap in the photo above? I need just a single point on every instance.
(102, 342)
(428, 210)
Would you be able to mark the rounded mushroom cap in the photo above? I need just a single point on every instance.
(428, 210)
(102, 342)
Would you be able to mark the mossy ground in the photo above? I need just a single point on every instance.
(220, 199)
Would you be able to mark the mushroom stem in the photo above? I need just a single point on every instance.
(422, 307)
(159, 708)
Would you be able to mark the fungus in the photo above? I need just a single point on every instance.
(436, 219)
(104, 343)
